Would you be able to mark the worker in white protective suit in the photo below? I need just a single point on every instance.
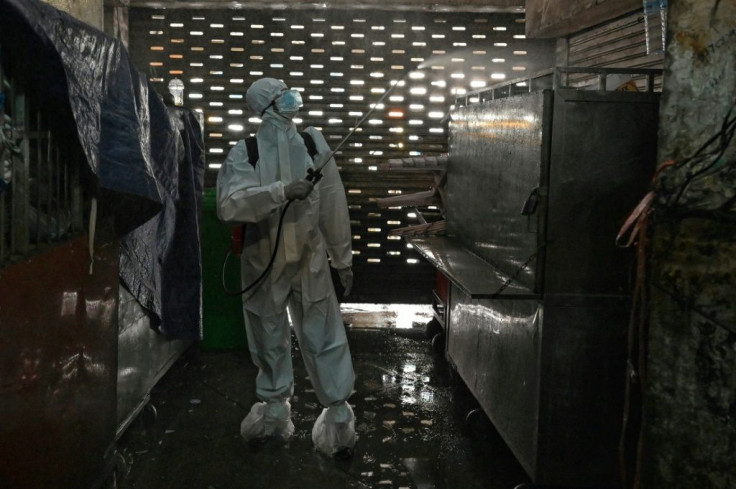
(315, 225)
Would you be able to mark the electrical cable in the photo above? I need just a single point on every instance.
(638, 225)
(725, 135)
(724, 142)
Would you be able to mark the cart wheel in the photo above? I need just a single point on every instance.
(112, 478)
(150, 411)
(149, 415)
(479, 426)
(463, 400)
(121, 468)
(454, 377)
(432, 328)
(438, 344)
(111, 481)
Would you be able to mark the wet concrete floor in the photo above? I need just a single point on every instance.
(410, 418)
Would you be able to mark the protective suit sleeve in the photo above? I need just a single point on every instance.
(240, 196)
(334, 218)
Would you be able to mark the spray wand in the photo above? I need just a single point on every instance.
(314, 175)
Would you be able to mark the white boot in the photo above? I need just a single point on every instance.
(271, 419)
(333, 433)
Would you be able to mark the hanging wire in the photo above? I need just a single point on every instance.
(707, 160)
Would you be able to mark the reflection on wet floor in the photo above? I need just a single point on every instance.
(410, 419)
(398, 316)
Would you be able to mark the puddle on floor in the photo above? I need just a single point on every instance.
(391, 316)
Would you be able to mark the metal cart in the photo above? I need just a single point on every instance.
(538, 183)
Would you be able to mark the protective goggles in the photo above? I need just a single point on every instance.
(287, 101)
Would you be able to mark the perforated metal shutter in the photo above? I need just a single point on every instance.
(620, 43)
(344, 60)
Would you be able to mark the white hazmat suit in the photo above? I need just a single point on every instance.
(315, 225)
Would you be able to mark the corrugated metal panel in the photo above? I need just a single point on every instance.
(620, 43)
(545, 18)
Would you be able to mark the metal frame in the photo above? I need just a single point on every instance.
(555, 78)
(43, 204)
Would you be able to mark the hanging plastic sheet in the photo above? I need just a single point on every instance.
(87, 81)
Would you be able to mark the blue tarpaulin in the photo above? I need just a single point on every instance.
(147, 160)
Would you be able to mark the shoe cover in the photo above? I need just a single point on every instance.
(334, 430)
(268, 419)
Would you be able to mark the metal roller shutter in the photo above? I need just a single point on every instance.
(620, 43)
(344, 60)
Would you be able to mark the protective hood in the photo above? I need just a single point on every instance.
(262, 92)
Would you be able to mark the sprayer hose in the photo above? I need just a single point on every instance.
(318, 170)
(268, 267)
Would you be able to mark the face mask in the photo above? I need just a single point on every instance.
(288, 103)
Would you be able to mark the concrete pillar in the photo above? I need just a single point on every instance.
(690, 406)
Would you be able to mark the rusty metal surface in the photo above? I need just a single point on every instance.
(58, 365)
